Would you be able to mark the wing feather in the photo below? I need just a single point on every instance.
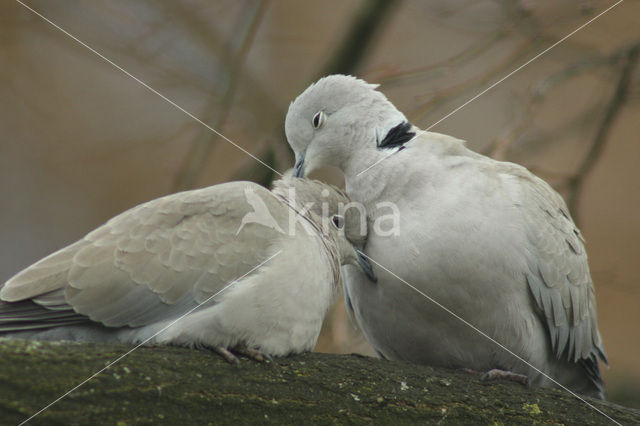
(153, 261)
(558, 275)
(42, 277)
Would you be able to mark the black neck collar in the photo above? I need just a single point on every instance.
(397, 136)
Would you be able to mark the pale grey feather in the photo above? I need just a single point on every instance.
(486, 239)
(157, 261)
(558, 275)
(149, 258)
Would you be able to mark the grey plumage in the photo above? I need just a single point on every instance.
(133, 276)
(487, 239)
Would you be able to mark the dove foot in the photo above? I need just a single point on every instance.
(226, 354)
(497, 374)
(252, 353)
(231, 354)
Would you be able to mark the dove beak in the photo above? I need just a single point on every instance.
(298, 169)
(364, 263)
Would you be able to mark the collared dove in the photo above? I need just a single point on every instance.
(486, 239)
(173, 256)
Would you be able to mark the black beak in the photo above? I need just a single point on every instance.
(298, 169)
(364, 263)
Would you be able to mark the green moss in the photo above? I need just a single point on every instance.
(532, 409)
(172, 385)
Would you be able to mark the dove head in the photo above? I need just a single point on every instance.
(336, 119)
(330, 209)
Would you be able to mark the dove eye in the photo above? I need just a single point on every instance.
(338, 221)
(319, 119)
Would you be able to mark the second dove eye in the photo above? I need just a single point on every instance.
(338, 221)
(319, 119)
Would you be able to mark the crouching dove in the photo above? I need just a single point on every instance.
(486, 239)
(259, 286)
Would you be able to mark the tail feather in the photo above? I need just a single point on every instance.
(592, 369)
(28, 315)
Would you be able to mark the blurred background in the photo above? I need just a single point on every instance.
(81, 141)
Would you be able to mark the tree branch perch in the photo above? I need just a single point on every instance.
(170, 385)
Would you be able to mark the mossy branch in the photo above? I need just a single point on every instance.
(161, 384)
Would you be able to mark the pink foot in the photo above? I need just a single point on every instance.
(226, 354)
(252, 353)
(229, 354)
(497, 374)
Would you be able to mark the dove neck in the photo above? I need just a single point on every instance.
(374, 177)
(400, 174)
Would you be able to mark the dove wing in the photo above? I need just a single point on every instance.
(558, 274)
(151, 262)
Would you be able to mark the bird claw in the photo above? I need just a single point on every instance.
(252, 353)
(497, 374)
(226, 354)
(230, 354)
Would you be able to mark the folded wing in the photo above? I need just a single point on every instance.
(150, 263)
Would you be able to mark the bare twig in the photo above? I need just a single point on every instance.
(409, 76)
(363, 29)
(500, 147)
(248, 169)
(542, 139)
(203, 34)
(446, 95)
(197, 157)
(570, 72)
(619, 97)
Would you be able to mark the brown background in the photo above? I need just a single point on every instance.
(81, 141)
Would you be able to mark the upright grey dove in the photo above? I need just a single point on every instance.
(486, 239)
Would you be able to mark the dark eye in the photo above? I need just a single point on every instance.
(338, 221)
(319, 119)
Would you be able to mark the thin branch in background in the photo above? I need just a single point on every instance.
(542, 140)
(200, 149)
(499, 148)
(576, 183)
(572, 71)
(203, 34)
(363, 28)
(249, 170)
(409, 76)
(446, 95)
